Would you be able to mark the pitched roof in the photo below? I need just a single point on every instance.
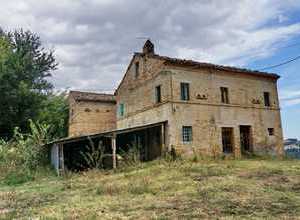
(196, 64)
(91, 96)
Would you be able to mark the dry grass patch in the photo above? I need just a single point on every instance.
(239, 189)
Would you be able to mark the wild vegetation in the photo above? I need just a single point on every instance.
(31, 113)
(26, 93)
(180, 189)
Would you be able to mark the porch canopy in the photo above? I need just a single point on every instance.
(67, 153)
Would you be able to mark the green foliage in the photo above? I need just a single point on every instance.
(4, 151)
(17, 177)
(94, 156)
(32, 146)
(54, 111)
(131, 157)
(25, 151)
(24, 68)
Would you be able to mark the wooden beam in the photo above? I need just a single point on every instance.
(163, 141)
(114, 156)
(61, 165)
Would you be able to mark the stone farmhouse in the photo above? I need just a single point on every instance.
(167, 104)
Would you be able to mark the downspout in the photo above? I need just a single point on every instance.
(172, 108)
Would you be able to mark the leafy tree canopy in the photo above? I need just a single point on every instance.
(54, 111)
(24, 68)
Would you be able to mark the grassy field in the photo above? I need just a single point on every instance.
(224, 189)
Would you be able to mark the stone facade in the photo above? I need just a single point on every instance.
(91, 113)
(204, 112)
(248, 118)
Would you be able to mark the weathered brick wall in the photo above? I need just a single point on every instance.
(204, 111)
(138, 94)
(88, 117)
(208, 116)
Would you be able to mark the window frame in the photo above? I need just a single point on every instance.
(121, 109)
(158, 94)
(267, 100)
(184, 91)
(224, 95)
(187, 134)
(136, 69)
(271, 131)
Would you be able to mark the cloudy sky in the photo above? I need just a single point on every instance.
(95, 39)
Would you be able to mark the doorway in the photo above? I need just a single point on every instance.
(227, 140)
(245, 139)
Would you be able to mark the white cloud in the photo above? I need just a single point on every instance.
(291, 102)
(289, 97)
(288, 93)
(95, 39)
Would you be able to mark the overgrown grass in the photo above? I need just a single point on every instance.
(231, 189)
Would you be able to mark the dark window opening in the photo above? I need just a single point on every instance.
(227, 140)
(185, 91)
(224, 95)
(267, 99)
(158, 94)
(187, 134)
(136, 69)
(271, 131)
(245, 139)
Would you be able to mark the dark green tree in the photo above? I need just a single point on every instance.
(54, 111)
(24, 68)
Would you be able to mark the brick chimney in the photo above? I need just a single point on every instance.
(148, 48)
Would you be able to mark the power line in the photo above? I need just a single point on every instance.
(281, 64)
(289, 45)
(262, 51)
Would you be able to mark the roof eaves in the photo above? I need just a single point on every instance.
(174, 61)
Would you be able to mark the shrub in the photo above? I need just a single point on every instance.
(32, 146)
(25, 151)
(132, 157)
(17, 177)
(94, 156)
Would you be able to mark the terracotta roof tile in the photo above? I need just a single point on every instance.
(196, 64)
(91, 96)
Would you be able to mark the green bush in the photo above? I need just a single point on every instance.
(17, 177)
(25, 152)
(94, 155)
(32, 146)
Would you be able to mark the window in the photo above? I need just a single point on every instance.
(271, 131)
(158, 94)
(121, 109)
(136, 69)
(227, 140)
(187, 134)
(267, 98)
(185, 91)
(224, 95)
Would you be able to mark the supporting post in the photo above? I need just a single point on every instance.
(114, 157)
(163, 141)
(61, 164)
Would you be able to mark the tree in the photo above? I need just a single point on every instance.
(24, 68)
(54, 111)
